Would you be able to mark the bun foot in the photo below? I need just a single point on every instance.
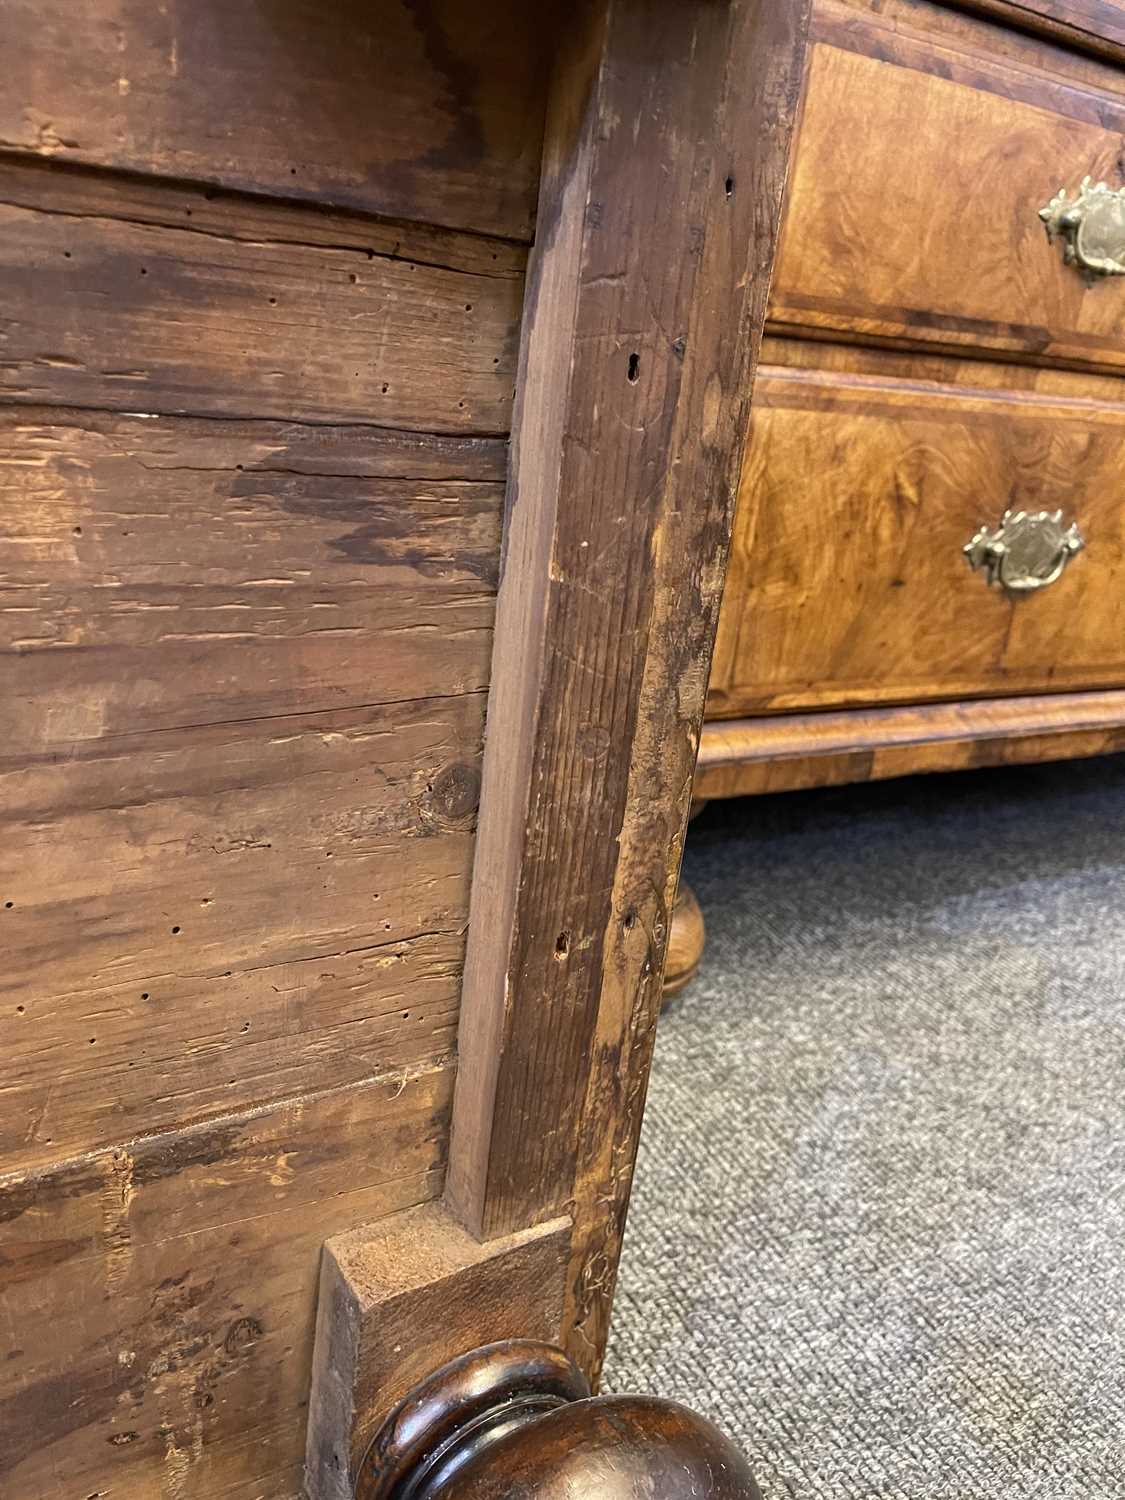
(516, 1421)
(685, 941)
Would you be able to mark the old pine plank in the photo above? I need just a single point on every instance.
(253, 454)
(248, 665)
(111, 304)
(407, 108)
(647, 290)
(159, 1298)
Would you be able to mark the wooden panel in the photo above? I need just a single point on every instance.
(745, 757)
(1098, 25)
(403, 108)
(108, 305)
(929, 232)
(401, 1298)
(645, 307)
(159, 1298)
(847, 581)
(246, 664)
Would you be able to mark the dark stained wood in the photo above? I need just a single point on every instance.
(415, 108)
(127, 311)
(159, 1297)
(398, 1298)
(82, 193)
(847, 583)
(515, 1421)
(867, 251)
(452, 1416)
(663, 174)
(749, 756)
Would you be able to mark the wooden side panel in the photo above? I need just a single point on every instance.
(923, 159)
(158, 1299)
(747, 757)
(847, 582)
(248, 670)
(120, 312)
(252, 461)
(412, 108)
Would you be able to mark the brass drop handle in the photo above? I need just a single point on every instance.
(1028, 550)
(1091, 226)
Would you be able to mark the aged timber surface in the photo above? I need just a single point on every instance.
(159, 1298)
(245, 664)
(405, 107)
(112, 303)
(664, 168)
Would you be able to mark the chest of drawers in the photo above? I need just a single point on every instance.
(934, 363)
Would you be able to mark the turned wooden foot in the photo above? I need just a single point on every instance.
(685, 941)
(516, 1421)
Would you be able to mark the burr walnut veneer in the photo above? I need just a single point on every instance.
(932, 361)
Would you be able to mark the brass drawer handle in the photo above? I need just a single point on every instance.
(1028, 550)
(1091, 226)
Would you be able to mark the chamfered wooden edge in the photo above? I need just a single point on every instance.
(403, 1296)
(745, 757)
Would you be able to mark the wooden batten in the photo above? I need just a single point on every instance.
(666, 151)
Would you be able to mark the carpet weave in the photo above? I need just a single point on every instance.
(878, 1226)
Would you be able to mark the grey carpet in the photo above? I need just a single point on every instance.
(878, 1226)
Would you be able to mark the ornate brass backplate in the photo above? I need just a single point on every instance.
(1091, 226)
(1028, 550)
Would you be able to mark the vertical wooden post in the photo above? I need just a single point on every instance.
(667, 145)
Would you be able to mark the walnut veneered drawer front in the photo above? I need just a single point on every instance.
(929, 142)
(849, 582)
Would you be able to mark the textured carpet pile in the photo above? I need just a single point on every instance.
(878, 1225)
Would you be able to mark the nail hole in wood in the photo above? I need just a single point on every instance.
(562, 945)
(634, 368)
(729, 186)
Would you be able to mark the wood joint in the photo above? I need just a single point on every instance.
(383, 1284)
